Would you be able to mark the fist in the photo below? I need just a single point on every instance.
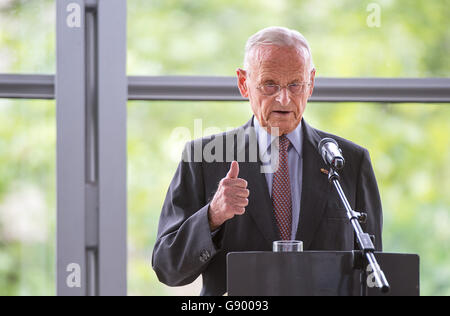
(230, 199)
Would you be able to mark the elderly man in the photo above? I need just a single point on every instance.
(215, 207)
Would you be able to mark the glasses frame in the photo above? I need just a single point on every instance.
(279, 87)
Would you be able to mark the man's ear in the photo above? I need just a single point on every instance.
(242, 82)
(312, 77)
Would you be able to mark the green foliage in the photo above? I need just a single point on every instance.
(27, 36)
(27, 197)
(207, 37)
(408, 143)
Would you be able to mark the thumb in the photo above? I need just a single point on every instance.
(234, 170)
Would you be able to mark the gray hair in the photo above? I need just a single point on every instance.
(278, 36)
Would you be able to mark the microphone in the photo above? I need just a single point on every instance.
(331, 154)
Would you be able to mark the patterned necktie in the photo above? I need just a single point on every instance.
(281, 191)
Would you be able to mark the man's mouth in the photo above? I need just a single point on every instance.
(281, 112)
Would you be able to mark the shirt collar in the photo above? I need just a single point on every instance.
(265, 139)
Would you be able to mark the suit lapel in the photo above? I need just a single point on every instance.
(260, 204)
(315, 188)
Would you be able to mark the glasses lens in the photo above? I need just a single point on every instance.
(269, 89)
(296, 88)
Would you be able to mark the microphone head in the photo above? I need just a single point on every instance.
(331, 154)
(325, 140)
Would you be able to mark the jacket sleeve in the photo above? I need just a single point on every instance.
(184, 244)
(368, 200)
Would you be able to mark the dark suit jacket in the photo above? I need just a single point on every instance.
(185, 247)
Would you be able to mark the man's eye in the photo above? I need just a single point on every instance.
(296, 88)
(270, 87)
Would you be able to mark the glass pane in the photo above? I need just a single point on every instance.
(348, 38)
(409, 148)
(156, 136)
(27, 197)
(27, 36)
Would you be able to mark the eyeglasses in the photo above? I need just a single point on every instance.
(293, 88)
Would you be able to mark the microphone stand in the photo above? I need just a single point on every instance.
(364, 241)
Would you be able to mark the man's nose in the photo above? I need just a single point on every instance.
(283, 96)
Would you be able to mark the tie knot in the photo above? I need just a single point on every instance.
(284, 142)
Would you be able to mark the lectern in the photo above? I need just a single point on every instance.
(318, 273)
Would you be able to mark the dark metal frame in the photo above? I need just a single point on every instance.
(199, 88)
(90, 88)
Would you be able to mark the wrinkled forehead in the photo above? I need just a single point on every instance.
(270, 62)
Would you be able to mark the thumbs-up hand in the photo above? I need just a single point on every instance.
(230, 199)
(234, 170)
